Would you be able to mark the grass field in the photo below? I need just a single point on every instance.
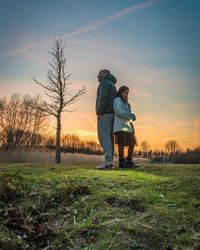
(77, 207)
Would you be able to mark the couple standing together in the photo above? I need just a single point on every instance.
(114, 116)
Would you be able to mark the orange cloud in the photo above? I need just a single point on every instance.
(181, 106)
(197, 131)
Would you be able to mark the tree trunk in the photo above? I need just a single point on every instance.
(58, 131)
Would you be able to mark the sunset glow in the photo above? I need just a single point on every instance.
(151, 46)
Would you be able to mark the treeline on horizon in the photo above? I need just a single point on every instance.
(21, 126)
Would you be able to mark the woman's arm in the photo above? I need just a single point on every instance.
(122, 113)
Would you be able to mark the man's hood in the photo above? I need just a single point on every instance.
(111, 78)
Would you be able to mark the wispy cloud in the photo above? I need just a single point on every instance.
(35, 58)
(101, 22)
(140, 92)
(171, 125)
(89, 27)
(183, 106)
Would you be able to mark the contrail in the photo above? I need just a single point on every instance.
(89, 27)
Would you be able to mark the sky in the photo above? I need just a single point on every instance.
(152, 46)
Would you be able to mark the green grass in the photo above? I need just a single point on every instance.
(78, 207)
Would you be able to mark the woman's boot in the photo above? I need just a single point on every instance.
(130, 163)
(122, 163)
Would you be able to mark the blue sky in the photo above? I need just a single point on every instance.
(154, 50)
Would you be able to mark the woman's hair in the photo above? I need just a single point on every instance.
(103, 73)
(120, 91)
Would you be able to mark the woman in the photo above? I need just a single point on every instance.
(123, 127)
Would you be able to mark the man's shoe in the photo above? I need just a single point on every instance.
(104, 167)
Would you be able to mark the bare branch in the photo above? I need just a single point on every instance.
(75, 97)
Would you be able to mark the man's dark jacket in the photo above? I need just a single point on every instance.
(106, 93)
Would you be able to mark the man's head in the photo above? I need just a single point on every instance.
(102, 74)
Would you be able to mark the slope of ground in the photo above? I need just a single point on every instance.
(78, 207)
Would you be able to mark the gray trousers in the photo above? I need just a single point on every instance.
(105, 136)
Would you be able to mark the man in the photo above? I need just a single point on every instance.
(106, 93)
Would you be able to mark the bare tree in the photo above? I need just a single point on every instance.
(172, 146)
(56, 90)
(20, 124)
(92, 145)
(145, 146)
(71, 141)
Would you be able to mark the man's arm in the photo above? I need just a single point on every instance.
(103, 94)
